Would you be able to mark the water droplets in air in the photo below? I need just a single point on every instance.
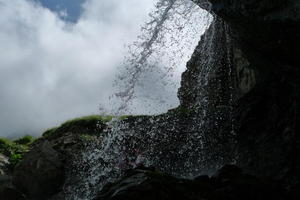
(154, 61)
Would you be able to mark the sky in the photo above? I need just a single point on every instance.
(59, 59)
(69, 10)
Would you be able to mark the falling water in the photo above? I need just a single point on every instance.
(176, 142)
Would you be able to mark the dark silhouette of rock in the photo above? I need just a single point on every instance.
(41, 173)
(259, 41)
(229, 183)
(7, 190)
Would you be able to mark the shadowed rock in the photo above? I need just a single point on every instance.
(230, 183)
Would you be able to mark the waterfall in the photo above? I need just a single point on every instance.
(184, 142)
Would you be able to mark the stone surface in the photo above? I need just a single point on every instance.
(263, 48)
(270, 27)
(7, 190)
(4, 163)
(268, 127)
(229, 183)
(42, 172)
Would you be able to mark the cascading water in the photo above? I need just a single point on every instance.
(210, 95)
(177, 142)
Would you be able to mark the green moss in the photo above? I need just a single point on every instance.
(88, 124)
(14, 159)
(86, 137)
(25, 140)
(124, 117)
(88, 119)
(134, 117)
(49, 131)
(180, 110)
(6, 146)
(14, 150)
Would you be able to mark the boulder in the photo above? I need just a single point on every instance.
(40, 173)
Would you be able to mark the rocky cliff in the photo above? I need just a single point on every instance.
(239, 104)
(262, 52)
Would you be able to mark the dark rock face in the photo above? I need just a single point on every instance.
(208, 71)
(268, 127)
(263, 56)
(4, 164)
(7, 190)
(41, 174)
(229, 183)
(270, 27)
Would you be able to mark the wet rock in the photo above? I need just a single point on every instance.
(151, 185)
(8, 191)
(4, 164)
(263, 43)
(40, 173)
(228, 172)
(268, 128)
(270, 27)
(146, 184)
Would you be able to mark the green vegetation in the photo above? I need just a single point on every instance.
(86, 137)
(87, 119)
(26, 140)
(88, 124)
(49, 132)
(14, 159)
(124, 117)
(181, 111)
(14, 150)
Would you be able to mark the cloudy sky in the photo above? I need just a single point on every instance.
(58, 59)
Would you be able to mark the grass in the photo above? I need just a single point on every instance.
(14, 149)
(85, 127)
(25, 140)
(86, 137)
(49, 131)
(88, 124)
(88, 119)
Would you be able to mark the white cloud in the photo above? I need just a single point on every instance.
(51, 71)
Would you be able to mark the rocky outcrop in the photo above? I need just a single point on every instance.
(228, 183)
(270, 27)
(268, 127)
(41, 173)
(4, 164)
(263, 43)
(7, 190)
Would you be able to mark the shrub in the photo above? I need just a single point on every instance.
(6, 146)
(14, 159)
(14, 150)
(27, 139)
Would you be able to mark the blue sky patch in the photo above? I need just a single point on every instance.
(72, 8)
